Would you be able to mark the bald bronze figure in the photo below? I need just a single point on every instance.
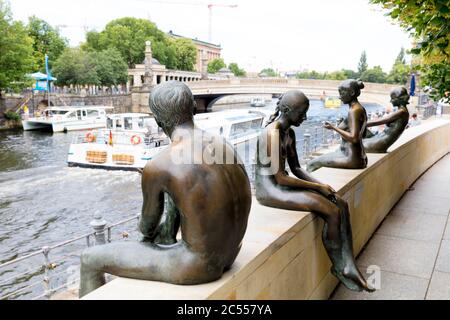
(209, 201)
(395, 122)
(350, 154)
(276, 188)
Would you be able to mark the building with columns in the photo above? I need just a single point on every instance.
(151, 72)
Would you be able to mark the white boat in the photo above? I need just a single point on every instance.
(60, 119)
(257, 102)
(132, 139)
(127, 143)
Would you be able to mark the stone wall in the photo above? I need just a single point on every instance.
(282, 256)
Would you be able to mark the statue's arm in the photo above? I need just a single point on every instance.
(294, 164)
(388, 119)
(351, 136)
(153, 204)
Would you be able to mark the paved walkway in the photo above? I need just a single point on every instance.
(412, 245)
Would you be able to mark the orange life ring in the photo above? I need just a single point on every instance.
(135, 140)
(90, 137)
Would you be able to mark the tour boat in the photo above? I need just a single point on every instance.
(332, 102)
(257, 102)
(127, 143)
(60, 119)
(132, 139)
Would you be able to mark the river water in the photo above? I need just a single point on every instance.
(43, 202)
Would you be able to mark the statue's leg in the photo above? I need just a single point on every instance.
(333, 160)
(336, 234)
(139, 260)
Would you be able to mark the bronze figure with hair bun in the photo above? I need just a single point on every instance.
(351, 154)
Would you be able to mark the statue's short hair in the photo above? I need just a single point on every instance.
(172, 103)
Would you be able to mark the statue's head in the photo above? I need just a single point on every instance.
(172, 104)
(399, 97)
(349, 90)
(293, 106)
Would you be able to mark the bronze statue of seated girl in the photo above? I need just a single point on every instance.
(276, 188)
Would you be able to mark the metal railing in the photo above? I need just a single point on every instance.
(101, 234)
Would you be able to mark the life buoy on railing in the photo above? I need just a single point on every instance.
(136, 140)
(90, 137)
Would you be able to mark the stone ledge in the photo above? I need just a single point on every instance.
(282, 256)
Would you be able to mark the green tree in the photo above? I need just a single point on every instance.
(69, 68)
(310, 75)
(215, 65)
(400, 71)
(376, 74)
(336, 75)
(110, 67)
(16, 51)
(185, 54)
(268, 72)
(429, 23)
(238, 72)
(362, 65)
(46, 40)
(78, 67)
(128, 36)
(350, 74)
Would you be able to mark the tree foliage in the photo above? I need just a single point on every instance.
(268, 72)
(79, 67)
(185, 54)
(362, 65)
(215, 65)
(400, 70)
(128, 36)
(16, 51)
(429, 23)
(238, 72)
(46, 40)
(375, 74)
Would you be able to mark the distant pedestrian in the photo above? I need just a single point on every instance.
(414, 121)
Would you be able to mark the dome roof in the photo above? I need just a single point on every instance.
(154, 61)
(224, 70)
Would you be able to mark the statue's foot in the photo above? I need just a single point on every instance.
(352, 279)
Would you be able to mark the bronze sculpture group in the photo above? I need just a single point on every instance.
(210, 202)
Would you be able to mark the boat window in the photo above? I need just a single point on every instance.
(93, 113)
(57, 112)
(256, 124)
(239, 129)
(71, 115)
(141, 122)
(109, 123)
(118, 123)
(128, 123)
(84, 113)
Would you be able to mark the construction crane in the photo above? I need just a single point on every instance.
(209, 5)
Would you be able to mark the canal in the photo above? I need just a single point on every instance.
(44, 202)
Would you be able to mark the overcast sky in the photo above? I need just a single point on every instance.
(283, 34)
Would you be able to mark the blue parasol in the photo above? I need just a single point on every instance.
(412, 88)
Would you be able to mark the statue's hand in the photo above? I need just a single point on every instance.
(328, 125)
(327, 191)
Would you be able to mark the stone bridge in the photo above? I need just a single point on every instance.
(207, 92)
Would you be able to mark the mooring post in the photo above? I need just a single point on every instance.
(99, 226)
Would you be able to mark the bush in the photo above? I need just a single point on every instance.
(11, 115)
